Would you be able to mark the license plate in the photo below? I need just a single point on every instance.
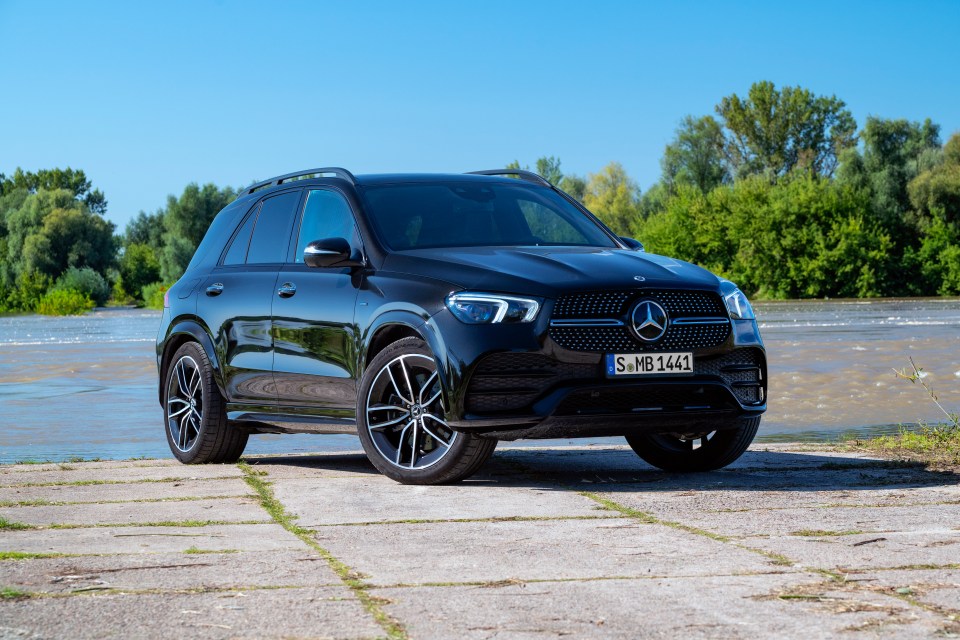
(649, 364)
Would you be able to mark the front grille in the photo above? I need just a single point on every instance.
(512, 381)
(616, 305)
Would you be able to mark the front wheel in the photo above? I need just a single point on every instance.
(400, 420)
(194, 411)
(700, 451)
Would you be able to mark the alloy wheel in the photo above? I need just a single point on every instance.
(405, 413)
(185, 403)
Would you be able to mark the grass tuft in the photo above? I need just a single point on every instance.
(17, 555)
(10, 525)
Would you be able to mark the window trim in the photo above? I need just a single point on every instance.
(255, 210)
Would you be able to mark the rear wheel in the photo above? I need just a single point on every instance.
(194, 411)
(400, 419)
(699, 451)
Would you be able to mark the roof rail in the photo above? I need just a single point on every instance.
(529, 176)
(301, 175)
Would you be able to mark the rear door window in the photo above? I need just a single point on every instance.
(271, 232)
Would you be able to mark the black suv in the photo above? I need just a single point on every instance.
(433, 315)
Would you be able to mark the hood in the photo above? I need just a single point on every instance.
(550, 271)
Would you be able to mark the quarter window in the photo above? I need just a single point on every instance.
(237, 253)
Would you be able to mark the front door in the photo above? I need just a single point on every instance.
(315, 338)
(236, 300)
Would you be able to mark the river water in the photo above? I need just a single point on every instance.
(86, 386)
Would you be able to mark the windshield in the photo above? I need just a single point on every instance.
(468, 214)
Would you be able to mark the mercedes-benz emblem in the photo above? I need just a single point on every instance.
(649, 320)
(639, 278)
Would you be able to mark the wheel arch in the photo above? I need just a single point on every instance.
(395, 325)
(181, 332)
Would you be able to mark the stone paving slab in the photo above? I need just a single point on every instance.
(869, 550)
(370, 499)
(668, 499)
(127, 492)
(566, 567)
(221, 510)
(557, 549)
(78, 473)
(168, 571)
(99, 540)
(703, 607)
(936, 587)
(328, 612)
(784, 522)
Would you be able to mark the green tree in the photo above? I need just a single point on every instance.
(614, 197)
(549, 168)
(773, 132)
(70, 237)
(74, 181)
(696, 155)
(190, 215)
(174, 258)
(575, 186)
(138, 267)
(145, 228)
(936, 191)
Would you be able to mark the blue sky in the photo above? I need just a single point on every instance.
(146, 97)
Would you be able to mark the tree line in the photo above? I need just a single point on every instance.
(777, 190)
(59, 254)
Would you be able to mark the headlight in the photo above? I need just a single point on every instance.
(737, 304)
(489, 308)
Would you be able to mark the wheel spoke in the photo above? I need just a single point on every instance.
(426, 385)
(182, 380)
(406, 376)
(432, 398)
(433, 435)
(380, 426)
(174, 415)
(194, 382)
(182, 441)
(436, 419)
(385, 407)
(400, 442)
(397, 388)
(413, 445)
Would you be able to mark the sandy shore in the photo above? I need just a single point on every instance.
(586, 541)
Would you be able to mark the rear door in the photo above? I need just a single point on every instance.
(236, 298)
(315, 338)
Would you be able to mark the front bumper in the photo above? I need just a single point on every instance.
(516, 381)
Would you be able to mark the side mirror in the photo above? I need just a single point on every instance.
(331, 252)
(632, 244)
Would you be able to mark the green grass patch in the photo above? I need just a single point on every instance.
(6, 593)
(196, 551)
(10, 525)
(372, 604)
(937, 445)
(17, 555)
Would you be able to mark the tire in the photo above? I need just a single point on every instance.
(400, 420)
(717, 449)
(195, 417)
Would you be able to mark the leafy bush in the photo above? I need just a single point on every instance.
(86, 281)
(26, 294)
(64, 302)
(138, 268)
(152, 295)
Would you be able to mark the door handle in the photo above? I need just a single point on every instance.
(287, 289)
(215, 289)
